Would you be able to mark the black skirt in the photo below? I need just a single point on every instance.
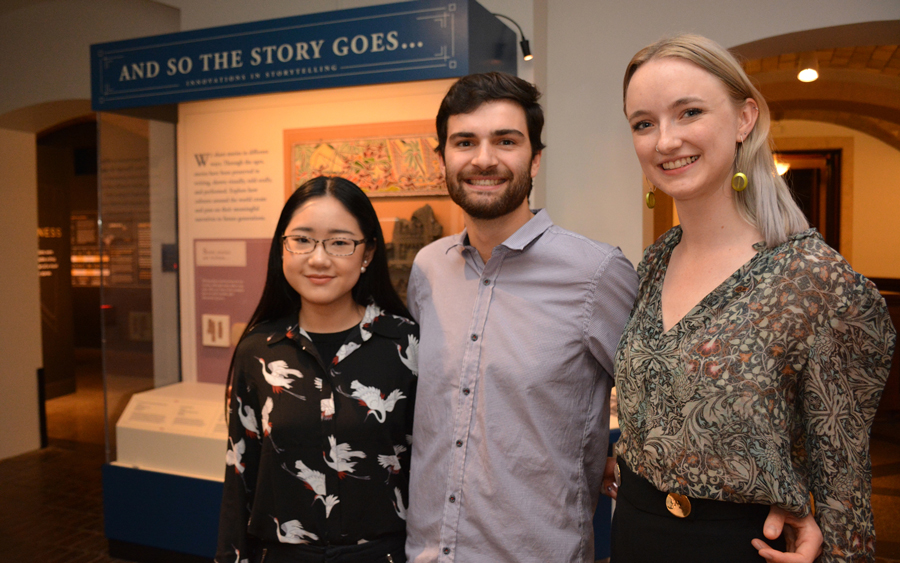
(645, 531)
(382, 550)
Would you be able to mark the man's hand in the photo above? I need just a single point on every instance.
(609, 486)
(804, 538)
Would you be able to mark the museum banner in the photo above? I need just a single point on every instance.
(420, 40)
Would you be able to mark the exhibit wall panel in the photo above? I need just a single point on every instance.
(20, 323)
(231, 188)
(200, 14)
(593, 178)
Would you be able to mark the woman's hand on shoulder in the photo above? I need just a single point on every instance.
(804, 538)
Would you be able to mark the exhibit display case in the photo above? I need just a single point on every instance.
(136, 218)
(164, 436)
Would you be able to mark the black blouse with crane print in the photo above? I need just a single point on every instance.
(318, 451)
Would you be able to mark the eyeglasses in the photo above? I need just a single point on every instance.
(300, 244)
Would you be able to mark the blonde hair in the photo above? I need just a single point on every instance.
(766, 203)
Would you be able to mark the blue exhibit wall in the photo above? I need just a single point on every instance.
(406, 41)
(160, 510)
(152, 516)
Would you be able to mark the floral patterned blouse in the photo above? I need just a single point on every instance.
(765, 391)
(318, 451)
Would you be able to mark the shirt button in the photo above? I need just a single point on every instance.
(446, 550)
(459, 443)
(474, 337)
(452, 498)
(486, 282)
(466, 391)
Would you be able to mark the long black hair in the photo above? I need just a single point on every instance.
(374, 285)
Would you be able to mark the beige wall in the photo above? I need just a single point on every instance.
(20, 321)
(260, 122)
(46, 45)
(875, 247)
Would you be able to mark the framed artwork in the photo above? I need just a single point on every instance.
(384, 159)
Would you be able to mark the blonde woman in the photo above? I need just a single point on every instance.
(751, 368)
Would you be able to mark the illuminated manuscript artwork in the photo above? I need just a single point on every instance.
(386, 159)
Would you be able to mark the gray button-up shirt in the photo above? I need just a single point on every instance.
(512, 412)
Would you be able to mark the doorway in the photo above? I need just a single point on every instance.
(72, 385)
(815, 181)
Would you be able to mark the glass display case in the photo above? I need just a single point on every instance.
(139, 300)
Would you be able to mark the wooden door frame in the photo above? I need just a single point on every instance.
(845, 145)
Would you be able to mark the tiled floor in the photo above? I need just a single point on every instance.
(79, 417)
(51, 499)
(51, 506)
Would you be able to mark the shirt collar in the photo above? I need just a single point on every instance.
(527, 233)
(810, 232)
(375, 320)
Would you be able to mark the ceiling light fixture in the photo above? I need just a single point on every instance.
(526, 48)
(808, 67)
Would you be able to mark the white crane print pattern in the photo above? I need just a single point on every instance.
(279, 376)
(315, 482)
(392, 462)
(299, 472)
(374, 399)
(341, 454)
(411, 359)
(234, 454)
(292, 532)
(345, 350)
(266, 411)
(237, 556)
(248, 418)
(372, 311)
(399, 508)
(327, 407)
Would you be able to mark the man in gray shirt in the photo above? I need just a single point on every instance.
(519, 324)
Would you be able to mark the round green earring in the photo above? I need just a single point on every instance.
(739, 182)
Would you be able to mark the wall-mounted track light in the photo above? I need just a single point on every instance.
(526, 48)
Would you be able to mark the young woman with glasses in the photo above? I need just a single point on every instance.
(320, 394)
